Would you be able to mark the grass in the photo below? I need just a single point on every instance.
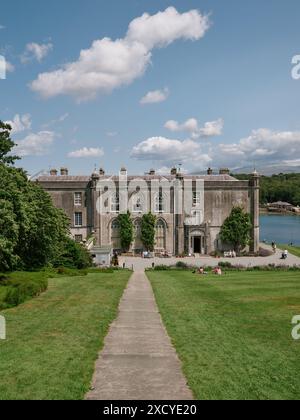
(295, 250)
(233, 333)
(54, 339)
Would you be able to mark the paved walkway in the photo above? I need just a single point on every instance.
(138, 361)
(141, 264)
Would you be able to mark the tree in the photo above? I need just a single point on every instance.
(6, 145)
(72, 255)
(236, 229)
(148, 231)
(126, 230)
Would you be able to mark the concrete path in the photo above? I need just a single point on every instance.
(138, 361)
(141, 264)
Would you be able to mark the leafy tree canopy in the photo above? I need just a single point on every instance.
(6, 145)
(126, 230)
(236, 229)
(148, 231)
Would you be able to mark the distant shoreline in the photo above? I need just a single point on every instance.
(264, 212)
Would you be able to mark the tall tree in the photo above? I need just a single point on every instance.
(236, 229)
(148, 231)
(126, 230)
(6, 145)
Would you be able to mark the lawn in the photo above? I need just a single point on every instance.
(233, 333)
(53, 340)
(295, 250)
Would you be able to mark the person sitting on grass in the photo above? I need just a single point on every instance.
(218, 271)
(201, 271)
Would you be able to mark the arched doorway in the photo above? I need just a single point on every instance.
(160, 235)
(137, 244)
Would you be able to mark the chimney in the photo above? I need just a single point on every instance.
(64, 172)
(224, 171)
(152, 172)
(123, 171)
(174, 171)
(53, 172)
(101, 172)
(210, 171)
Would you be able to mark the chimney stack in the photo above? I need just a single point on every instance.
(224, 171)
(64, 172)
(101, 172)
(152, 172)
(210, 171)
(53, 172)
(174, 171)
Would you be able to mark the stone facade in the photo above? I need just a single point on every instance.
(196, 232)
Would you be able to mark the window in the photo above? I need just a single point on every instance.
(160, 236)
(159, 203)
(78, 199)
(138, 206)
(115, 203)
(196, 199)
(78, 219)
(78, 238)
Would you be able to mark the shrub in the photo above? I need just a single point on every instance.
(73, 255)
(225, 264)
(21, 290)
(161, 268)
(265, 252)
(182, 265)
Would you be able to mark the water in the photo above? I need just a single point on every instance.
(282, 229)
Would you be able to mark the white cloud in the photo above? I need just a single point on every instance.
(20, 123)
(58, 120)
(112, 133)
(87, 153)
(155, 97)
(210, 129)
(110, 64)
(166, 170)
(169, 151)
(6, 67)
(35, 144)
(265, 145)
(34, 51)
(2, 27)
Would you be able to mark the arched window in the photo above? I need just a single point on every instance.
(159, 204)
(137, 203)
(115, 203)
(160, 236)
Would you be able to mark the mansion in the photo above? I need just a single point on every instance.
(177, 233)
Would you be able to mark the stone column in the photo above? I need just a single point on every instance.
(254, 211)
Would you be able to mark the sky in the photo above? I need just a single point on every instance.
(201, 83)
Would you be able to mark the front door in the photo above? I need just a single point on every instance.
(197, 245)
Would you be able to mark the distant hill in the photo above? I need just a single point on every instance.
(269, 170)
(281, 187)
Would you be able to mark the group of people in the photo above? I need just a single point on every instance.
(216, 270)
(284, 254)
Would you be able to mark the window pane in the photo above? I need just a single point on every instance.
(78, 219)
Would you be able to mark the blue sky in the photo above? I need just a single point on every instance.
(228, 92)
